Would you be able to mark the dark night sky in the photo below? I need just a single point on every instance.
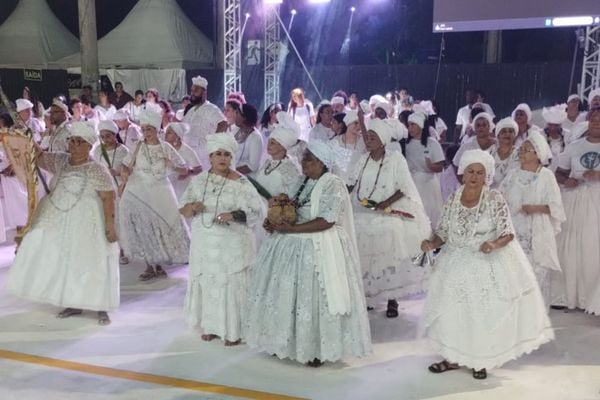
(383, 31)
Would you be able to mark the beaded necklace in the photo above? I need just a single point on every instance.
(78, 194)
(299, 204)
(362, 171)
(268, 168)
(218, 198)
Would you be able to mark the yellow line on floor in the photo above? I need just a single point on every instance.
(142, 377)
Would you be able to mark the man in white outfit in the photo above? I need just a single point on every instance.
(204, 119)
(56, 140)
(25, 112)
(129, 132)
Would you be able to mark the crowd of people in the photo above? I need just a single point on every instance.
(298, 224)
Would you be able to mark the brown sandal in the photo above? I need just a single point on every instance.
(147, 275)
(231, 344)
(103, 318)
(208, 338)
(161, 273)
(68, 312)
(481, 374)
(442, 366)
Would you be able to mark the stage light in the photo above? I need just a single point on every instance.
(319, 1)
(273, 1)
(352, 9)
(293, 12)
(573, 21)
(247, 15)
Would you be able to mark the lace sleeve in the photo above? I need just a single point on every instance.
(191, 193)
(354, 170)
(249, 201)
(444, 223)
(101, 179)
(290, 172)
(500, 214)
(331, 200)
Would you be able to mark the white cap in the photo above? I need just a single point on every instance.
(573, 97)
(120, 115)
(23, 104)
(84, 131)
(337, 100)
(152, 118)
(417, 118)
(200, 81)
(108, 125)
(61, 105)
(555, 114)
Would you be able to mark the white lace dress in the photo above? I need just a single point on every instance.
(482, 310)
(65, 259)
(291, 303)
(387, 243)
(151, 228)
(503, 167)
(221, 256)
(537, 233)
(191, 161)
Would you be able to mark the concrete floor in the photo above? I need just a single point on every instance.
(148, 335)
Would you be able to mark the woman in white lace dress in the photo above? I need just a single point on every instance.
(69, 258)
(109, 152)
(506, 155)
(174, 134)
(536, 208)
(224, 207)
(387, 242)
(151, 228)
(306, 299)
(483, 306)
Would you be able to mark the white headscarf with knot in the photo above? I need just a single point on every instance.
(507, 123)
(350, 117)
(523, 107)
(329, 154)
(540, 145)
(84, 131)
(418, 119)
(150, 117)
(478, 157)
(287, 131)
(384, 130)
(221, 141)
(179, 128)
(487, 117)
(108, 125)
(555, 114)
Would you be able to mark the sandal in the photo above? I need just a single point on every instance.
(481, 374)
(231, 344)
(316, 363)
(208, 338)
(442, 366)
(103, 318)
(123, 260)
(392, 309)
(68, 312)
(147, 275)
(161, 273)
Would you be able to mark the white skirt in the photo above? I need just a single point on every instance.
(578, 248)
(430, 190)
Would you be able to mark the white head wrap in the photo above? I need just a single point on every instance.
(384, 105)
(221, 141)
(485, 116)
(425, 107)
(579, 130)
(323, 103)
(180, 128)
(594, 93)
(200, 81)
(573, 97)
(384, 129)
(324, 152)
(523, 107)
(507, 123)
(84, 131)
(120, 115)
(540, 145)
(478, 157)
(554, 115)
(399, 131)
(61, 105)
(365, 106)
(350, 117)
(108, 125)
(179, 114)
(287, 131)
(150, 117)
(376, 98)
(23, 104)
(418, 119)
(337, 100)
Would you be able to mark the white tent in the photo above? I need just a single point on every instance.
(155, 34)
(32, 36)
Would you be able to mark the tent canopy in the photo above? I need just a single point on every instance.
(32, 36)
(155, 34)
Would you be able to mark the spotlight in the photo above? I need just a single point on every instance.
(318, 1)
(273, 1)
(293, 12)
(247, 15)
(352, 9)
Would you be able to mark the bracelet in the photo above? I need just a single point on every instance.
(238, 216)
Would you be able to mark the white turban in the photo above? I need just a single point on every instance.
(478, 157)
(108, 125)
(554, 115)
(425, 107)
(287, 131)
(337, 100)
(594, 93)
(200, 81)
(150, 117)
(399, 130)
(324, 152)
(84, 131)
(383, 129)
(523, 107)
(579, 130)
(540, 145)
(365, 106)
(573, 97)
(323, 103)
(350, 117)
(485, 116)
(120, 115)
(61, 105)
(221, 141)
(179, 128)
(376, 98)
(418, 119)
(23, 104)
(384, 105)
(507, 123)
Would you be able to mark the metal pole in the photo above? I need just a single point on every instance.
(88, 39)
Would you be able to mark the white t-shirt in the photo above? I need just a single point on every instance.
(105, 113)
(440, 126)
(302, 116)
(463, 117)
(250, 152)
(321, 132)
(134, 111)
(416, 154)
(579, 157)
(471, 144)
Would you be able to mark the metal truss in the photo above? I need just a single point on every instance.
(590, 74)
(233, 57)
(272, 54)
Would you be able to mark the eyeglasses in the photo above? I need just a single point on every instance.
(526, 150)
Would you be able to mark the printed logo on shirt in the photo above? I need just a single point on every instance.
(590, 160)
